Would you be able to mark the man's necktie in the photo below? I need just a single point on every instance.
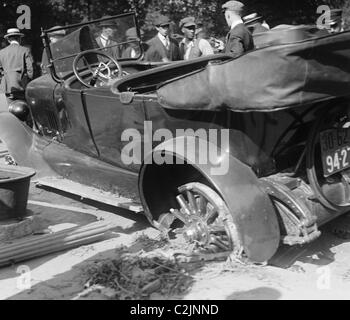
(167, 43)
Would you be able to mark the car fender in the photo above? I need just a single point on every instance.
(23, 144)
(251, 208)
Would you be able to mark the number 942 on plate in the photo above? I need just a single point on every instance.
(335, 150)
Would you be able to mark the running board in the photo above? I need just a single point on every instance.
(91, 193)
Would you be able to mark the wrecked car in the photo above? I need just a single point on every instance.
(234, 155)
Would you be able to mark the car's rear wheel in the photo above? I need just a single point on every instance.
(203, 219)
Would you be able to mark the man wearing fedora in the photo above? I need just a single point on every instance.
(162, 48)
(104, 40)
(239, 40)
(16, 62)
(54, 35)
(192, 47)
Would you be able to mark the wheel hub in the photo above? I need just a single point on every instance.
(197, 231)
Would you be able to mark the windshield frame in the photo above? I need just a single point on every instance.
(51, 61)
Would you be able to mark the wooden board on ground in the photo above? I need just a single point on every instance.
(91, 193)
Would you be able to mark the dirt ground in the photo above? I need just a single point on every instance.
(320, 270)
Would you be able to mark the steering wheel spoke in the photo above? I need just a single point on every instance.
(99, 72)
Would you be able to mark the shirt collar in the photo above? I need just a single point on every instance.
(236, 23)
(14, 42)
(161, 37)
(187, 42)
(104, 38)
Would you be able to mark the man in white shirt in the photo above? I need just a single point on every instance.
(190, 47)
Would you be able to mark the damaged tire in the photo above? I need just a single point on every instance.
(204, 220)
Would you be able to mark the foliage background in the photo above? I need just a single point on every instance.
(48, 13)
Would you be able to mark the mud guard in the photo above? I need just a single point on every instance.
(22, 144)
(251, 208)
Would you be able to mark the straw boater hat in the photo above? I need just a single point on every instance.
(13, 32)
(335, 16)
(251, 18)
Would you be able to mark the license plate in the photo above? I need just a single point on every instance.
(335, 150)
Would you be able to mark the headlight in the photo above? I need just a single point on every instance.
(20, 109)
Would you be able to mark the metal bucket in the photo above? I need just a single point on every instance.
(14, 188)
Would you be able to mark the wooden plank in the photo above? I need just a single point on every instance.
(87, 192)
(99, 214)
(42, 245)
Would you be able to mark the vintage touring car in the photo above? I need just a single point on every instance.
(285, 107)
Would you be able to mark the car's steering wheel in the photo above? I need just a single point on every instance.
(102, 71)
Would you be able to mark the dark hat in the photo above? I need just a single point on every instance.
(251, 18)
(233, 6)
(57, 33)
(187, 22)
(335, 16)
(132, 34)
(13, 32)
(107, 23)
(161, 21)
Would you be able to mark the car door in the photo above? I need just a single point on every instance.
(116, 126)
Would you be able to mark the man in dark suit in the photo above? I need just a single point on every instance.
(104, 40)
(162, 48)
(16, 62)
(239, 40)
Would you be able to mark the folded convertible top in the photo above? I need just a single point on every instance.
(267, 79)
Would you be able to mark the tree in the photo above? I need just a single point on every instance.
(48, 13)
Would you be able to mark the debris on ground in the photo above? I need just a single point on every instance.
(153, 269)
(135, 276)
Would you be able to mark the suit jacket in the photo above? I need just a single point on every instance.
(114, 52)
(17, 64)
(156, 51)
(239, 40)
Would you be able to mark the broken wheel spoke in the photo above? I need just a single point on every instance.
(183, 204)
(217, 229)
(202, 205)
(214, 240)
(211, 211)
(178, 215)
(192, 202)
